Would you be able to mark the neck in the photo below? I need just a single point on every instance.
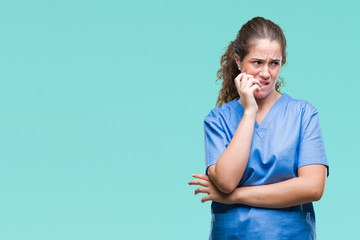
(268, 101)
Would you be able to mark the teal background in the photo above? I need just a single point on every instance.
(102, 106)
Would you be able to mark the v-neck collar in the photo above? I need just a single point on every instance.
(261, 129)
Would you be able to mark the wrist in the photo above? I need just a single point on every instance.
(248, 109)
(234, 197)
(250, 113)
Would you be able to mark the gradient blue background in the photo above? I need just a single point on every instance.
(102, 106)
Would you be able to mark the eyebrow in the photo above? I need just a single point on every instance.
(272, 59)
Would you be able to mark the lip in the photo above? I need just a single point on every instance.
(263, 84)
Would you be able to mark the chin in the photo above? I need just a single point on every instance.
(263, 93)
(260, 94)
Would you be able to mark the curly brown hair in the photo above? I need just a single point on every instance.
(256, 28)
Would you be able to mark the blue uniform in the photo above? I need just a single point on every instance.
(288, 138)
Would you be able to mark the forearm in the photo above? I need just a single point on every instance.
(288, 193)
(230, 167)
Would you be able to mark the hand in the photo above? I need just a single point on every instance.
(208, 187)
(246, 85)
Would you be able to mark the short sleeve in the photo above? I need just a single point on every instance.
(311, 145)
(215, 140)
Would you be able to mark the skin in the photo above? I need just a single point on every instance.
(256, 87)
(261, 67)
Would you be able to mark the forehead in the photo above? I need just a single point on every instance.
(264, 48)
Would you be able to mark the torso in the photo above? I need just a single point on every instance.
(274, 157)
(265, 105)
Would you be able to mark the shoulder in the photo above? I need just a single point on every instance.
(224, 113)
(303, 107)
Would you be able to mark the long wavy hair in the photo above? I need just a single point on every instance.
(256, 28)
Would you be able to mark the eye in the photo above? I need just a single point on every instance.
(256, 62)
(275, 63)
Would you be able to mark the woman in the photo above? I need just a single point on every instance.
(264, 150)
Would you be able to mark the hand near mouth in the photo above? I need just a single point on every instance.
(246, 85)
(264, 82)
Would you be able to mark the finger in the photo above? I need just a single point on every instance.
(245, 80)
(255, 87)
(201, 176)
(237, 81)
(240, 75)
(199, 182)
(206, 198)
(255, 81)
(252, 81)
(201, 190)
(249, 76)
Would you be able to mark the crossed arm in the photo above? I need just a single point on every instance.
(230, 166)
(224, 176)
(307, 187)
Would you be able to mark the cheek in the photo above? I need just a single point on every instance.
(275, 72)
(251, 70)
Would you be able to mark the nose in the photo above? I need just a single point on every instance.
(264, 73)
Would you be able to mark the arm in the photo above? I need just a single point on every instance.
(308, 187)
(230, 166)
(228, 170)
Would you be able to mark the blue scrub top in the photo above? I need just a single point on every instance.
(288, 138)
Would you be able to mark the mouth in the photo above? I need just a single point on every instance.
(264, 83)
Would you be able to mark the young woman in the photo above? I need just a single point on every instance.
(264, 150)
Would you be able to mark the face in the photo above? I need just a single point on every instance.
(264, 63)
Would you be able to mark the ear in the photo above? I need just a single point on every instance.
(237, 60)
